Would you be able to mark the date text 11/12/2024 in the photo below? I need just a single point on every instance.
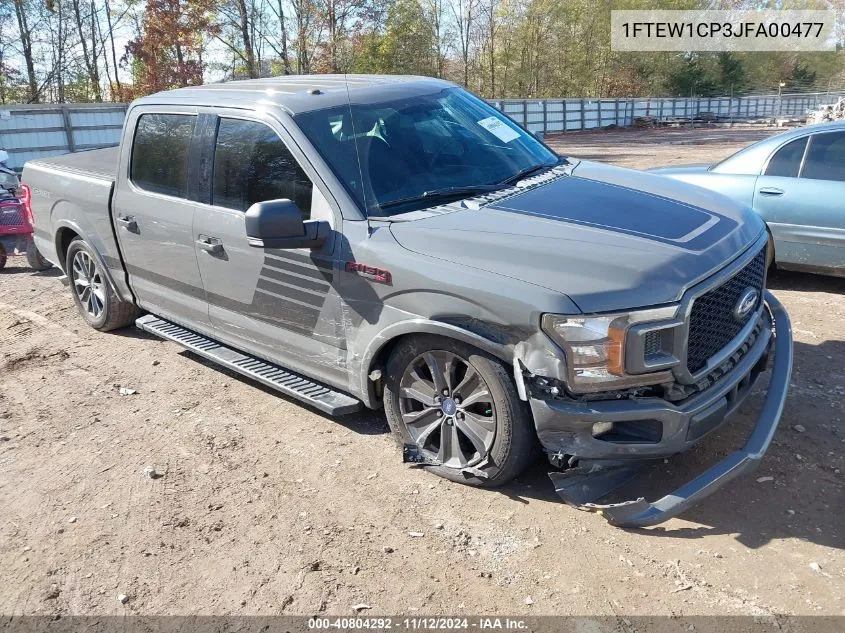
(416, 624)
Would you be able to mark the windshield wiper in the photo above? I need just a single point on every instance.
(528, 171)
(445, 192)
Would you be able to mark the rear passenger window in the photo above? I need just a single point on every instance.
(251, 164)
(826, 157)
(160, 153)
(787, 161)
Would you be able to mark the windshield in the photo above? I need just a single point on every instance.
(418, 151)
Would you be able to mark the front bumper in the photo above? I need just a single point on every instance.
(566, 427)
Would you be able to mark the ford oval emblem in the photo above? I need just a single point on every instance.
(746, 304)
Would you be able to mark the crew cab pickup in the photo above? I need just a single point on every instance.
(397, 243)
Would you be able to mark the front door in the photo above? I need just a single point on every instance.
(800, 197)
(277, 304)
(154, 215)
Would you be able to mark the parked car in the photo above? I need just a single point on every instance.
(795, 181)
(397, 242)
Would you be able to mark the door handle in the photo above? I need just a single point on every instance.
(771, 191)
(128, 222)
(210, 244)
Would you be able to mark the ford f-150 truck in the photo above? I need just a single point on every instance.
(397, 242)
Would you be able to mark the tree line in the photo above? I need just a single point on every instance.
(116, 50)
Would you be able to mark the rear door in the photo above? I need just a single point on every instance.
(801, 196)
(277, 304)
(153, 208)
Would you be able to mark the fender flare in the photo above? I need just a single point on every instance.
(419, 326)
(73, 226)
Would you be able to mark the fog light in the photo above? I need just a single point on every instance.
(600, 428)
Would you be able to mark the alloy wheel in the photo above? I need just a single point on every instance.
(447, 408)
(88, 284)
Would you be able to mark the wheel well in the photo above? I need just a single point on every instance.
(379, 361)
(380, 358)
(63, 239)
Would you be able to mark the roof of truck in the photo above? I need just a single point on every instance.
(300, 93)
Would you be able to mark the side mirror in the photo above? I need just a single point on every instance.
(279, 224)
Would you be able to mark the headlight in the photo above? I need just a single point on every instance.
(595, 348)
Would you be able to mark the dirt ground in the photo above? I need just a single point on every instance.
(265, 506)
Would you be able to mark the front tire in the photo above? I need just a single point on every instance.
(95, 299)
(35, 259)
(770, 251)
(459, 406)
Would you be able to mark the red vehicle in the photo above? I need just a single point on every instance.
(16, 221)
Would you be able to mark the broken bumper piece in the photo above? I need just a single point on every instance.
(577, 489)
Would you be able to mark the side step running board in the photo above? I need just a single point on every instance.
(317, 395)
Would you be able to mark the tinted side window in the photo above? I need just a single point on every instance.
(251, 164)
(787, 161)
(826, 157)
(160, 153)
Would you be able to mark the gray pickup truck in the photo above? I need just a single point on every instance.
(396, 242)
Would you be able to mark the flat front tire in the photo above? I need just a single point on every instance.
(459, 407)
(95, 299)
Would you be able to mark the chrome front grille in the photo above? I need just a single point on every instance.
(712, 322)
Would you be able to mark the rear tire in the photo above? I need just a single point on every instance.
(35, 259)
(3, 257)
(95, 299)
(463, 411)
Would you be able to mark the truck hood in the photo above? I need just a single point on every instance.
(699, 168)
(606, 237)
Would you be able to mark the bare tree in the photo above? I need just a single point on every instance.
(89, 52)
(304, 12)
(113, 52)
(434, 13)
(489, 10)
(26, 45)
(281, 49)
(465, 12)
(246, 36)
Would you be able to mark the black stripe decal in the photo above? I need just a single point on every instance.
(300, 282)
(112, 262)
(271, 303)
(313, 273)
(273, 310)
(299, 257)
(290, 293)
(187, 289)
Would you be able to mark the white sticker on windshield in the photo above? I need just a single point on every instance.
(499, 128)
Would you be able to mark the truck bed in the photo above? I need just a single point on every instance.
(71, 194)
(100, 163)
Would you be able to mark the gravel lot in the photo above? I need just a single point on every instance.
(264, 506)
